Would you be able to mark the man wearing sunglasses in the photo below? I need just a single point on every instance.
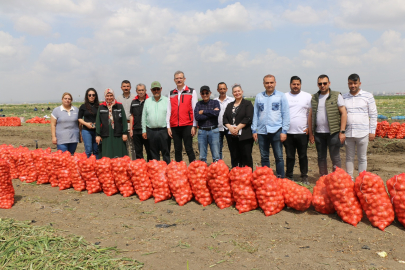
(154, 127)
(206, 114)
(328, 124)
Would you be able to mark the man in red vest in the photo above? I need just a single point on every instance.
(181, 125)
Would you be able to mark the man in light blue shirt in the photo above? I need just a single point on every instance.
(271, 121)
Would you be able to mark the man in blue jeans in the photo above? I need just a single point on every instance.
(271, 121)
(206, 114)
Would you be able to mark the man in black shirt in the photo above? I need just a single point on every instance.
(136, 122)
(206, 114)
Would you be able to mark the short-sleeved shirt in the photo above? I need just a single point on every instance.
(322, 124)
(126, 102)
(299, 108)
(67, 128)
(86, 115)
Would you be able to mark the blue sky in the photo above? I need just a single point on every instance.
(48, 47)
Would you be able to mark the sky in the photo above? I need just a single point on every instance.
(48, 47)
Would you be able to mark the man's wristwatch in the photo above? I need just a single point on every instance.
(343, 131)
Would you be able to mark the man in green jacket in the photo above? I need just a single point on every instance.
(154, 127)
(327, 124)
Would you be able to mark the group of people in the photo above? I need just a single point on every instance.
(125, 124)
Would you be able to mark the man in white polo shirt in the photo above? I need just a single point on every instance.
(297, 136)
(361, 123)
(126, 100)
(223, 100)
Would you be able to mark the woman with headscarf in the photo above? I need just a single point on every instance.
(111, 127)
(87, 117)
(64, 125)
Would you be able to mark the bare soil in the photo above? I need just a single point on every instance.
(167, 236)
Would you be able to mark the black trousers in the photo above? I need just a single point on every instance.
(180, 135)
(139, 143)
(158, 143)
(241, 152)
(296, 143)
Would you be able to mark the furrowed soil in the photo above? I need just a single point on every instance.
(167, 236)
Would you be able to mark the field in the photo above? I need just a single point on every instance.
(167, 236)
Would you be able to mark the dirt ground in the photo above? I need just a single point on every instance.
(167, 236)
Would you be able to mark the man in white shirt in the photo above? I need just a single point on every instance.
(328, 124)
(361, 123)
(297, 135)
(126, 100)
(181, 124)
(223, 100)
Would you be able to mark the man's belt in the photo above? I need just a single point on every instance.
(208, 128)
(156, 129)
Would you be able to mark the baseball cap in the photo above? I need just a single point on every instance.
(155, 84)
(205, 88)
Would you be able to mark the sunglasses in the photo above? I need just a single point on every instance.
(91, 95)
(322, 83)
(205, 93)
(155, 89)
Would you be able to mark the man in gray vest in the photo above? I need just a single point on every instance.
(328, 118)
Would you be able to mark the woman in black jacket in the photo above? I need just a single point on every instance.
(238, 119)
(87, 117)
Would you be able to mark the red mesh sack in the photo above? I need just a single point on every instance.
(88, 173)
(29, 174)
(393, 130)
(401, 131)
(396, 188)
(242, 189)
(41, 166)
(160, 183)
(6, 154)
(320, 198)
(176, 173)
(197, 173)
(295, 196)
(384, 127)
(374, 199)
(268, 193)
(140, 179)
(105, 176)
(62, 163)
(6, 186)
(220, 184)
(121, 177)
(10, 121)
(340, 188)
(78, 182)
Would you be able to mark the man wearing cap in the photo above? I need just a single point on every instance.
(181, 125)
(154, 127)
(135, 122)
(206, 113)
(223, 100)
(126, 100)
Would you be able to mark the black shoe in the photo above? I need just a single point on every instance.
(304, 180)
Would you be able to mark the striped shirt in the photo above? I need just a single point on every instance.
(361, 114)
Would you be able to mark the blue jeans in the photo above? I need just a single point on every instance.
(264, 145)
(89, 140)
(71, 147)
(205, 138)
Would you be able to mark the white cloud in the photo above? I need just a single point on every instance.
(32, 26)
(389, 48)
(305, 15)
(374, 14)
(233, 17)
(13, 51)
(214, 53)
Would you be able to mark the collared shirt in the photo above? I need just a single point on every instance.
(154, 113)
(209, 118)
(126, 102)
(361, 114)
(271, 113)
(194, 101)
(223, 105)
(67, 125)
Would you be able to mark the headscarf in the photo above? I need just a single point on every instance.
(109, 105)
